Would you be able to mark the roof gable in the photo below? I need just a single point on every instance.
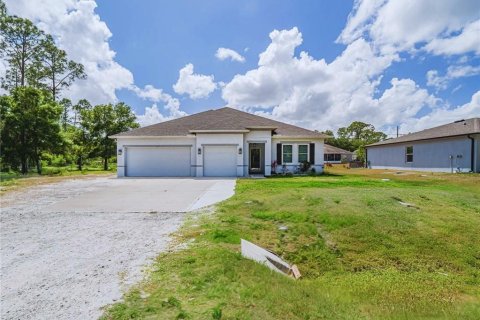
(220, 120)
(457, 128)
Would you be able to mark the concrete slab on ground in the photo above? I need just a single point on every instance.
(148, 195)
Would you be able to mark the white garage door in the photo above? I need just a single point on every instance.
(220, 161)
(158, 161)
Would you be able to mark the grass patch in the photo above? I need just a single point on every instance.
(362, 254)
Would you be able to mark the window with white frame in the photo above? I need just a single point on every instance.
(302, 153)
(409, 154)
(287, 154)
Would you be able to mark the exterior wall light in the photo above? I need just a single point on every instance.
(120, 151)
(239, 150)
(199, 151)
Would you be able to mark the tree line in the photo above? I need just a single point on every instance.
(38, 122)
(355, 137)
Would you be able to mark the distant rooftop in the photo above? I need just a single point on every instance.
(331, 149)
(457, 128)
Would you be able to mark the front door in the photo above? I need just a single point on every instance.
(256, 154)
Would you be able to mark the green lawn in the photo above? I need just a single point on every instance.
(361, 253)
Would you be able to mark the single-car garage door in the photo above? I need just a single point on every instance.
(220, 161)
(158, 161)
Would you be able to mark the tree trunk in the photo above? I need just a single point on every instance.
(24, 164)
(38, 162)
(79, 163)
(105, 163)
(39, 165)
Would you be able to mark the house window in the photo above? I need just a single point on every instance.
(325, 157)
(338, 157)
(287, 153)
(302, 153)
(409, 154)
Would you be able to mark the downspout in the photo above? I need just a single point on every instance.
(472, 153)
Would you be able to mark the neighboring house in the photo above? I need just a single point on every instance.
(214, 143)
(453, 147)
(333, 154)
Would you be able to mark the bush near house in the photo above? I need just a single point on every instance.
(362, 253)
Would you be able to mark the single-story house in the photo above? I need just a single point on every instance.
(333, 154)
(453, 147)
(217, 143)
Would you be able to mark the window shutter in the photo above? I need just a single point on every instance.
(312, 153)
(279, 153)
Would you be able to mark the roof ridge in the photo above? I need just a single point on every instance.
(269, 119)
(451, 129)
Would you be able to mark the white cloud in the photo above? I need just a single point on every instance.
(225, 53)
(311, 93)
(447, 27)
(444, 115)
(360, 19)
(149, 92)
(85, 37)
(453, 72)
(195, 85)
(152, 115)
(318, 95)
(468, 40)
(90, 46)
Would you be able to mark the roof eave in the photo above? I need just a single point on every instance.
(150, 137)
(219, 131)
(414, 140)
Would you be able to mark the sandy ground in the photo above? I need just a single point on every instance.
(68, 265)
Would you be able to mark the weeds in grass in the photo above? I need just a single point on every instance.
(361, 257)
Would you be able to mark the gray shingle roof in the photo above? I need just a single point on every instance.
(457, 128)
(331, 149)
(226, 119)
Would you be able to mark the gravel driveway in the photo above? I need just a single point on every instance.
(60, 264)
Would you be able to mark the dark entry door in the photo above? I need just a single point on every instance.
(256, 157)
(255, 163)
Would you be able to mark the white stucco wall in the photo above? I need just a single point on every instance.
(239, 140)
(258, 136)
(428, 155)
(319, 147)
(123, 143)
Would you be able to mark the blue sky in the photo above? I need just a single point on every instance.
(387, 62)
(157, 39)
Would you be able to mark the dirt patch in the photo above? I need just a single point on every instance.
(68, 265)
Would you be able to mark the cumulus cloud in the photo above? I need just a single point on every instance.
(195, 85)
(225, 53)
(443, 115)
(64, 19)
(319, 95)
(445, 27)
(311, 92)
(468, 40)
(434, 79)
(152, 115)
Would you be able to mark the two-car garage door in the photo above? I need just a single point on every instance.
(175, 161)
(158, 161)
